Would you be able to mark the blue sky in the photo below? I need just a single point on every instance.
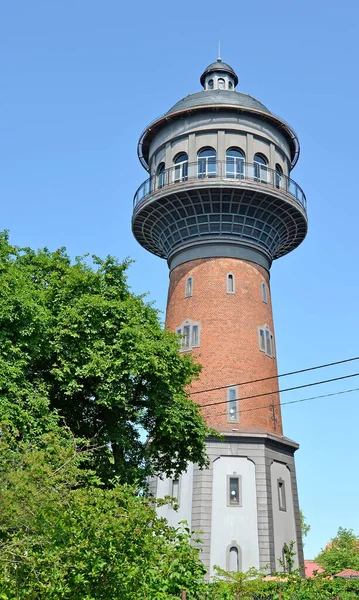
(79, 82)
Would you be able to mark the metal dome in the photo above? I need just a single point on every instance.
(219, 66)
(217, 98)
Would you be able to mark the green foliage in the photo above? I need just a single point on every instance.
(252, 586)
(343, 553)
(75, 340)
(287, 562)
(65, 536)
(305, 528)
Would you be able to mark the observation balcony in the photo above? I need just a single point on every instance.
(219, 201)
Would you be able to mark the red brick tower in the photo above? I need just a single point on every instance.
(219, 205)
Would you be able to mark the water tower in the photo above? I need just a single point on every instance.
(219, 205)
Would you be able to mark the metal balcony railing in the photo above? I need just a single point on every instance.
(235, 172)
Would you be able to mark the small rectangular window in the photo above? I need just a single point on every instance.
(195, 336)
(189, 287)
(262, 344)
(230, 284)
(232, 405)
(175, 489)
(186, 334)
(266, 341)
(281, 495)
(234, 491)
(264, 292)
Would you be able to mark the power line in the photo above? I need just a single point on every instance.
(297, 387)
(221, 387)
(297, 401)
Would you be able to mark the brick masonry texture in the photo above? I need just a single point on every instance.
(229, 350)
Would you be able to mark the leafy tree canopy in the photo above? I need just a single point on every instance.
(65, 536)
(74, 339)
(342, 553)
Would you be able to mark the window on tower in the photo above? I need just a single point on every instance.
(232, 404)
(260, 168)
(231, 286)
(235, 163)
(278, 176)
(190, 335)
(161, 175)
(266, 341)
(180, 172)
(281, 495)
(210, 84)
(207, 163)
(234, 490)
(221, 84)
(264, 292)
(189, 287)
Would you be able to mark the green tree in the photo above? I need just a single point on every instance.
(75, 339)
(305, 528)
(65, 536)
(342, 553)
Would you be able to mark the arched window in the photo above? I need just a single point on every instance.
(230, 85)
(181, 167)
(260, 168)
(235, 163)
(231, 287)
(233, 559)
(189, 287)
(221, 84)
(278, 176)
(210, 84)
(161, 175)
(206, 163)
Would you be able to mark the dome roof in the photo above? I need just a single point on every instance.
(217, 98)
(219, 66)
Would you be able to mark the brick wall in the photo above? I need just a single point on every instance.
(229, 349)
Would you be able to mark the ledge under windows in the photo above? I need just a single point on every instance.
(190, 335)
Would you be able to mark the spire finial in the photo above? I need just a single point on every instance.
(219, 52)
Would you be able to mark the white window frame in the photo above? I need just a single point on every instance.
(232, 404)
(189, 287)
(190, 332)
(266, 341)
(264, 292)
(239, 500)
(233, 290)
(282, 502)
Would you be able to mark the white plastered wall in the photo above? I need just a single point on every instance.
(283, 520)
(184, 512)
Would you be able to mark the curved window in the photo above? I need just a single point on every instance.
(230, 284)
(221, 84)
(161, 175)
(230, 85)
(234, 557)
(278, 176)
(181, 167)
(207, 163)
(210, 84)
(235, 163)
(260, 168)
(189, 287)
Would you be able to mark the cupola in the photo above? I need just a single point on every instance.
(219, 76)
